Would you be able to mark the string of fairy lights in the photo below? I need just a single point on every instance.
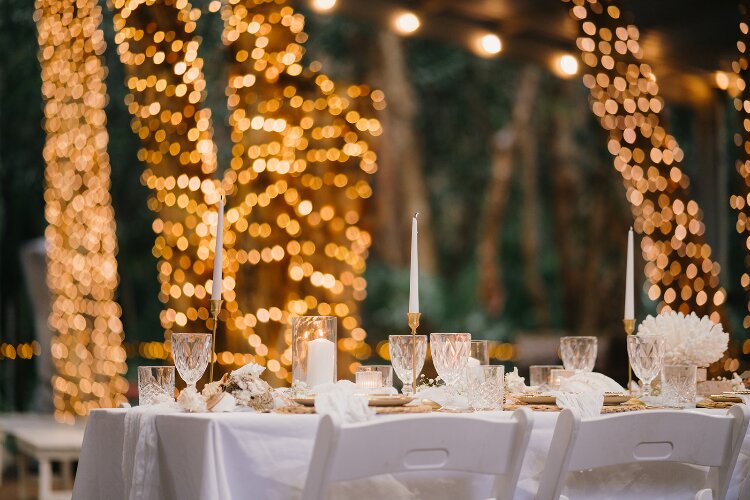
(741, 201)
(625, 99)
(301, 157)
(81, 242)
(158, 46)
(300, 152)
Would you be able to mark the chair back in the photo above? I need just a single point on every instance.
(689, 437)
(422, 443)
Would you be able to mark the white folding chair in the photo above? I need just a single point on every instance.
(688, 437)
(425, 443)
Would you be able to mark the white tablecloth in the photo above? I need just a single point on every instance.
(266, 456)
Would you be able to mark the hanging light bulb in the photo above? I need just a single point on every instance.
(490, 45)
(323, 5)
(406, 23)
(568, 65)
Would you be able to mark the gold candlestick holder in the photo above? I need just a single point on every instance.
(413, 320)
(215, 310)
(629, 325)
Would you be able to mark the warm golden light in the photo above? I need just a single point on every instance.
(741, 200)
(567, 64)
(81, 243)
(722, 80)
(490, 44)
(323, 5)
(406, 23)
(297, 179)
(625, 98)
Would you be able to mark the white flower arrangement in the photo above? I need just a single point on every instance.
(689, 339)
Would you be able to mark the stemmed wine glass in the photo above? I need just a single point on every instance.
(578, 353)
(450, 354)
(646, 353)
(404, 349)
(191, 352)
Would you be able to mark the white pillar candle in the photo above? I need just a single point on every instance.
(472, 362)
(629, 289)
(414, 272)
(320, 362)
(216, 288)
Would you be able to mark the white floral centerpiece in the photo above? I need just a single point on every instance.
(688, 339)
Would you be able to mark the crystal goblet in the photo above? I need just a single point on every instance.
(450, 355)
(191, 352)
(578, 353)
(646, 353)
(402, 348)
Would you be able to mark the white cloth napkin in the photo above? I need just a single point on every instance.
(588, 404)
(341, 401)
(441, 396)
(140, 450)
(589, 381)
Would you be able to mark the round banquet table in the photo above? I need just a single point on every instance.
(266, 456)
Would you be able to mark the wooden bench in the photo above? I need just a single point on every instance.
(43, 439)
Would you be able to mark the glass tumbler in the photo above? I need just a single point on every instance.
(486, 387)
(191, 352)
(155, 384)
(404, 348)
(578, 353)
(479, 353)
(678, 385)
(541, 375)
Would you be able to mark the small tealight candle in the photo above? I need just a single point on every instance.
(558, 374)
(369, 380)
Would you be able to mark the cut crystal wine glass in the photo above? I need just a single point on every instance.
(646, 354)
(450, 355)
(402, 347)
(578, 353)
(191, 352)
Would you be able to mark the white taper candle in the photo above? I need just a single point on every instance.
(216, 288)
(414, 272)
(629, 289)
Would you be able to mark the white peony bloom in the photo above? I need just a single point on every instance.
(689, 339)
(514, 383)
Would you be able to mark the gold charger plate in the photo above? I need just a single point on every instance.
(374, 400)
(613, 398)
(724, 398)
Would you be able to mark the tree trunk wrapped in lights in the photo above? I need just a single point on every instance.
(81, 242)
(159, 49)
(298, 176)
(741, 201)
(625, 98)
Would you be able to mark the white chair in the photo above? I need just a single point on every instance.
(419, 444)
(688, 437)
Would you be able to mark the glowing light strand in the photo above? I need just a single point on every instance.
(625, 99)
(81, 242)
(299, 169)
(159, 49)
(741, 201)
